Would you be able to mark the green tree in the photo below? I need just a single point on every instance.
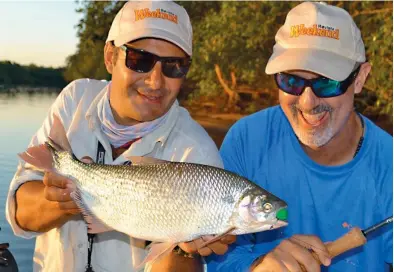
(232, 45)
(92, 32)
(32, 75)
(376, 25)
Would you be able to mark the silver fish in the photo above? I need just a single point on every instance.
(163, 201)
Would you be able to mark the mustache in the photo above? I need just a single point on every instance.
(316, 110)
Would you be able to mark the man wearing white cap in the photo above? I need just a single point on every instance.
(332, 166)
(148, 53)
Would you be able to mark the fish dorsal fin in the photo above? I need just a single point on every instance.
(139, 160)
(39, 157)
(157, 251)
(216, 238)
(94, 224)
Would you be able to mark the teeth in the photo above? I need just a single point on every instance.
(313, 118)
(151, 97)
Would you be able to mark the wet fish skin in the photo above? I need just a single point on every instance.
(168, 201)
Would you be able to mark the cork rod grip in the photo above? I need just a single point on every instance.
(354, 238)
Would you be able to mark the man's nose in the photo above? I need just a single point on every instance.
(308, 100)
(155, 77)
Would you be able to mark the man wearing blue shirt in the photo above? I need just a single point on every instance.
(332, 166)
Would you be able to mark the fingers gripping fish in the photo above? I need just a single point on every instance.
(161, 201)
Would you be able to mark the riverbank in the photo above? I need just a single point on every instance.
(217, 126)
(14, 89)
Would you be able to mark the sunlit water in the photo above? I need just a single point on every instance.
(20, 117)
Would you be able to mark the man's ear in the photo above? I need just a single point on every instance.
(108, 57)
(359, 82)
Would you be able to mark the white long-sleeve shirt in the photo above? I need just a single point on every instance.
(180, 138)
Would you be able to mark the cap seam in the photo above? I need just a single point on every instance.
(353, 35)
(120, 19)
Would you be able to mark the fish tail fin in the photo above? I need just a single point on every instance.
(39, 156)
(157, 251)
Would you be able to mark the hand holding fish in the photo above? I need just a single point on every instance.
(219, 247)
(56, 190)
(290, 253)
(44, 205)
(161, 201)
(174, 262)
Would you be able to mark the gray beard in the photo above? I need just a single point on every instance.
(313, 137)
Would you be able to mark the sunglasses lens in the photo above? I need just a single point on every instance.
(141, 62)
(290, 84)
(175, 68)
(324, 87)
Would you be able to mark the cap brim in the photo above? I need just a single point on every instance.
(153, 33)
(321, 62)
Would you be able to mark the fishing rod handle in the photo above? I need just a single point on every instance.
(354, 238)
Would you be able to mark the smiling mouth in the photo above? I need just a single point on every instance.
(151, 98)
(313, 119)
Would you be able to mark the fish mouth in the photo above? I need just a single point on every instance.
(278, 224)
(281, 223)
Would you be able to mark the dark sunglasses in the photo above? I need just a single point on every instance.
(322, 87)
(141, 61)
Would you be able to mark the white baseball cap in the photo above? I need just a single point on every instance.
(157, 19)
(319, 38)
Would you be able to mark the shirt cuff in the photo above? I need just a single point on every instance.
(22, 175)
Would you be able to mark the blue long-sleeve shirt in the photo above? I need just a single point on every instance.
(322, 200)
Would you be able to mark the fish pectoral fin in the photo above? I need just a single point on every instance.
(215, 238)
(157, 251)
(94, 224)
(138, 252)
(139, 160)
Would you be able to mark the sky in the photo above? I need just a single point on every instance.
(38, 32)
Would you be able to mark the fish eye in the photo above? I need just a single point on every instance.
(267, 207)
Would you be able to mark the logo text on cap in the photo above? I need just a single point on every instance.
(141, 14)
(315, 30)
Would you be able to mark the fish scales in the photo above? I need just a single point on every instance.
(168, 202)
(161, 201)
